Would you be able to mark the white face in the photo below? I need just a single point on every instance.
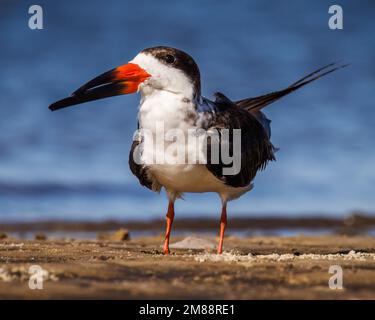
(163, 77)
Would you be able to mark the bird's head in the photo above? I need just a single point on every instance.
(153, 69)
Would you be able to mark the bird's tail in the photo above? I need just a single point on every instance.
(257, 103)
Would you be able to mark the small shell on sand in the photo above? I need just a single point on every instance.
(193, 243)
(119, 235)
(40, 236)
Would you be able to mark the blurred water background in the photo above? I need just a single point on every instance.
(72, 164)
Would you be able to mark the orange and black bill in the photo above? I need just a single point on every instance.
(121, 80)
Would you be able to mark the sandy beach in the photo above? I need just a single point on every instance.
(251, 268)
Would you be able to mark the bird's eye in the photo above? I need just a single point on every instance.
(169, 58)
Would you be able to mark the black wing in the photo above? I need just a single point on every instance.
(139, 170)
(256, 148)
(257, 103)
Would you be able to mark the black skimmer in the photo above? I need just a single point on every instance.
(168, 80)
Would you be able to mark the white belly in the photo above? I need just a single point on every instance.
(186, 178)
(194, 178)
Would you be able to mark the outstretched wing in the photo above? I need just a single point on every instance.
(257, 103)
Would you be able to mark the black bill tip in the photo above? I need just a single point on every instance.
(101, 92)
(63, 103)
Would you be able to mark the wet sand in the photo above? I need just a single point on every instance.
(355, 222)
(250, 268)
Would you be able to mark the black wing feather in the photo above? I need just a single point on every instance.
(260, 102)
(256, 148)
(139, 170)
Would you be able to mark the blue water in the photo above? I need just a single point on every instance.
(73, 164)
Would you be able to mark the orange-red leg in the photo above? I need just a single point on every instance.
(223, 224)
(170, 216)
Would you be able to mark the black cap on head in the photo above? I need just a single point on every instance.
(179, 60)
